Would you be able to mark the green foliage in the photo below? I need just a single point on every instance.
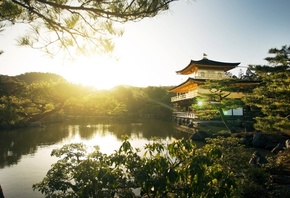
(160, 169)
(9, 11)
(34, 97)
(75, 27)
(8, 114)
(281, 56)
(127, 95)
(272, 96)
(35, 77)
(96, 105)
(216, 99)
(11, 86)
(149, 102)
(156, 103)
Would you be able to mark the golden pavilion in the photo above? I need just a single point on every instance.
(199, 71)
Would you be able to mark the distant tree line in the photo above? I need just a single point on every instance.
(34, 97)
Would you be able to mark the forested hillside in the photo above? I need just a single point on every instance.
(34, 77)
(41, 97)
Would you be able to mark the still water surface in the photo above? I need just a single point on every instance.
(25, 153)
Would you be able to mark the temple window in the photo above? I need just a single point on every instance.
(210, 74)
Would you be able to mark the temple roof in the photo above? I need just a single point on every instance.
(205, 63)
(189, 85)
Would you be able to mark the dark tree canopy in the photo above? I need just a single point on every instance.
(272, 96)
(75, 25)
(34, 77)
(216, 98)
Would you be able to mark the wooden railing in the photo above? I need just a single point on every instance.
(188, 95)
(185, 115)
(212, 76)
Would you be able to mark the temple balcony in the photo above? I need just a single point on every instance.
(188, 114)
(211, 75)
(189, 95)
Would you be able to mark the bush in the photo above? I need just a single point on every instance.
(176, 169)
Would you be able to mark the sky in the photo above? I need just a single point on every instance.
(153, 49)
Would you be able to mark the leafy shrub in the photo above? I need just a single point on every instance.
(160, 169)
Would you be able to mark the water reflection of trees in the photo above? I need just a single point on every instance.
(146, 129)
(16, 143)
(89, 130)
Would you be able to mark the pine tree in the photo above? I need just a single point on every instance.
(216, 97)
(272, 95)
(75, 27)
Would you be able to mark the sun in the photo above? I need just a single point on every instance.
(99, 72)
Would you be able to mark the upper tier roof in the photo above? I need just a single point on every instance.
(205, 63)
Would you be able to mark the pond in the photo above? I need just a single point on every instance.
(25, 153)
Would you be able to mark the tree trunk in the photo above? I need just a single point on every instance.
(224, 120)
(1, 192)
